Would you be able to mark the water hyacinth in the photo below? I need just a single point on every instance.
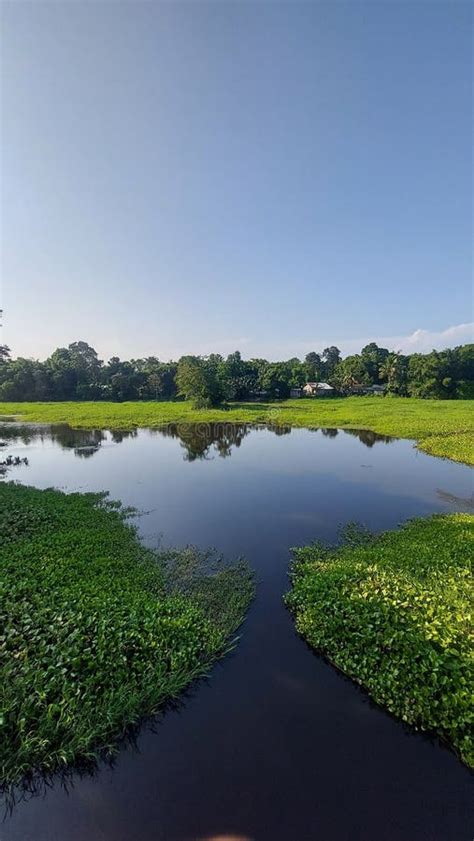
(95, 632)
(395, 614)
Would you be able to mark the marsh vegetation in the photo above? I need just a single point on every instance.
(441, 427)
(97, 630)
(394, 613)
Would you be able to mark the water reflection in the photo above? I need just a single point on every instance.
(84, 442)
(271, 707)
(199, 440)
(12, 461)
(330, 433)
(365, 436)
(119, 435)
(369, 438)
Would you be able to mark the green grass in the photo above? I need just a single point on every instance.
(395, 614)
(441, 427)
(97, 631)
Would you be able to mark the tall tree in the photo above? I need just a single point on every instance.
(373, 357)
(393, 371)
(197, 380)
(331, 356)
(313, 367)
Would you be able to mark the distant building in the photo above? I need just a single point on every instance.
(258, 395)
(356, 388)
(317, 389)
(295, 392)
(376, 389)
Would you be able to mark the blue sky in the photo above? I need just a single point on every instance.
(197, 177)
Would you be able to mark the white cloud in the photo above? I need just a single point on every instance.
(423, 341)
(420, 341)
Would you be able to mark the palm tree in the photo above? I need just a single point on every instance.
(391, 370)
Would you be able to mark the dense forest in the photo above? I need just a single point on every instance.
(76, 373)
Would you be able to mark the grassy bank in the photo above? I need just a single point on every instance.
(96, 630)
(395, 614)
(441, 427)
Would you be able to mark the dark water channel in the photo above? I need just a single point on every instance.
(276, 746)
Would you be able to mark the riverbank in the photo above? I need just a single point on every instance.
(394, 613)
(98, 631)
(442, 428)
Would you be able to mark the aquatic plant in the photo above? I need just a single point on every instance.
(97, 631)
(395, 614)
(441, 427)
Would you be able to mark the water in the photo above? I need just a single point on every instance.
(276, 746)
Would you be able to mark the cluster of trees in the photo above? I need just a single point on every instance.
(440, 374)
(76, 373)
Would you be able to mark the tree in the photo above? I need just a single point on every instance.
(25, 379)
(197, 379)
(373, 357)
(430, 375)
(393, 370)
(239, 377)
(296, 372)
(331, 357)
(465, 372)
(63, 374)
(349, 372)
(313, 367)
(155, 384)
(275, 379)
(76, 373)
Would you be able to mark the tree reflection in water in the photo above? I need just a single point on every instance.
(369, 438)
(84, 442)
(199, 440)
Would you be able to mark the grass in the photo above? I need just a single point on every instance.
(441, 427)
(96, 631)
(395, 614)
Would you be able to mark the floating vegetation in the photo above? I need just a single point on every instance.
(395, 614)
(441, 427)
(96, 630)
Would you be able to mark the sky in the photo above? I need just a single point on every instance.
(197, 177)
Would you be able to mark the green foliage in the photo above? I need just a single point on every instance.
(314, 367)
(331, 357)
(96, 630)
(442, 375)
(395, 614)
(197, 379)
(444, 428)
(76, 373)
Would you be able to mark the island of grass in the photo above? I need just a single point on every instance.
(395, 613)
(440, 427)
(96, 630)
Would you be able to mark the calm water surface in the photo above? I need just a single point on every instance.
(276, 746)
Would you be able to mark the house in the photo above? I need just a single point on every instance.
(295, 392)
(356, 388)
(318, 389)
(255, 396)
(376, 389)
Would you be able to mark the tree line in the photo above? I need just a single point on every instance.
(76, 373)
